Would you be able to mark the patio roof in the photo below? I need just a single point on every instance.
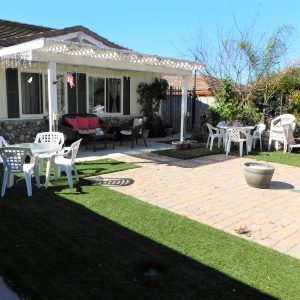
(69, 52)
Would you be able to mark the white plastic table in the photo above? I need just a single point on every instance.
(39, 148)
(245, 129)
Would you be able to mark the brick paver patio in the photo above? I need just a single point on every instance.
(212, 190)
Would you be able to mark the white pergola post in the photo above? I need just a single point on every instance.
(183, 106)
(52, 93)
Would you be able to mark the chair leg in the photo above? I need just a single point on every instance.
(144, 141)
(219, 142)
(68, 171)
(11, 180)
(28, 183)
(47, 174)
(241, 149)
(4, 183)
(228, 146)
(211, 142)
(269, 144)
(132, 142)
(57, 172)
(207, 141)
(254, 143)
(260, 142)
(37, 174)
(75, 172)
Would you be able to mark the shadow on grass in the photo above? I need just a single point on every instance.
(54, 248)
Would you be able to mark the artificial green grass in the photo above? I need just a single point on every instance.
(292, 159)
(91, 242)
(190, 153)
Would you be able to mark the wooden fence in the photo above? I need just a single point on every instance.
(171, 109)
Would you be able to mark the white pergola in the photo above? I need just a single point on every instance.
(56, 51)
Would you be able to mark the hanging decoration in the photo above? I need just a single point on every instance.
(70, 80)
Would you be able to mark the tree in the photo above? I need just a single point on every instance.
(264, 64)
(247, 64)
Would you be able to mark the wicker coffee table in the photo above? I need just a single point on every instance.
(93, 138)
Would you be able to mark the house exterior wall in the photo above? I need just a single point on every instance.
(135, 78)
(3, 97)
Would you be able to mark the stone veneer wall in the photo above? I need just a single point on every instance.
(21, 131)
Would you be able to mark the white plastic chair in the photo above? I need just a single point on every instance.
(234, 135)
(14, 162)
(276, 130)
(51, 138)
(214, 133)
(3, 143)
(65, 161)
(260, 128)
(289, 140)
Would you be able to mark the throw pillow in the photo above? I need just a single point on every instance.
(93, 122)
(83, 123)
(72, 122)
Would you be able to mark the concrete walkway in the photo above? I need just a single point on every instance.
(212, 190)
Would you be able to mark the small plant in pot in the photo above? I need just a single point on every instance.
(168, 128)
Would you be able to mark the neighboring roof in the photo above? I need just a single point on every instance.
(205, 85)
(13, 33)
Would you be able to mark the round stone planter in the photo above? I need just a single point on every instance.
(185, 145)
(258, 175)
(176, 145)
(193, 144)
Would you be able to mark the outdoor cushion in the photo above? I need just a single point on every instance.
(93, 122)
(86, 131)
(72, 122)
(83, 123)
(137, 122)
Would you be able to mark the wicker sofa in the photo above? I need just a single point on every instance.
(71, 132)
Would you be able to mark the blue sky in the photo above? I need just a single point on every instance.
(163, 27)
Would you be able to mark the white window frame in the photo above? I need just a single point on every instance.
(46, 109)
(31, 116)
(105, 92)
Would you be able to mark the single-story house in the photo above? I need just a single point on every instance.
(45, 71)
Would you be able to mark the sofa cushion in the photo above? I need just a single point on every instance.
(86, 131)
(72, 122)
(93, 122)
(83, 122)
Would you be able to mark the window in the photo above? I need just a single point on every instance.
(60, 94)
(113, 95)
(96, 94)
(104, 95)
(32, 93)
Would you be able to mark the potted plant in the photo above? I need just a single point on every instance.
(150, 96)
(168, 128)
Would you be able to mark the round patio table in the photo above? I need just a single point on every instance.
(39, 148)
(245, 129)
